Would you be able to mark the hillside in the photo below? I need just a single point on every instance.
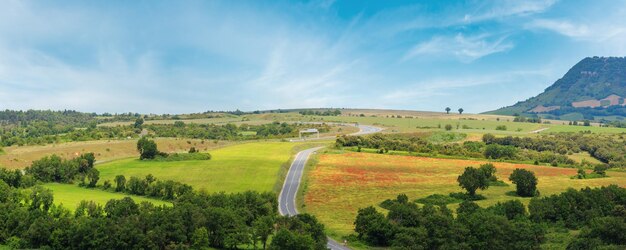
(593, 89)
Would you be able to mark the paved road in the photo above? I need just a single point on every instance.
(363, 130)
(287, 198)
(366, 129)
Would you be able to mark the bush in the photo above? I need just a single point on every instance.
(184, 157)
(501, 127)
(495, 151)
(438, 200)
(467, 197)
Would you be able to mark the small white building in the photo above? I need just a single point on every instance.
(310, 131)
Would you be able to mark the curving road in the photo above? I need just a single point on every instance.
(287, 197)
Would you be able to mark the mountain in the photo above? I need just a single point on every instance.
(593, 89)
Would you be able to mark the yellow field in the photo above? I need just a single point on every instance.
(340, 184)
(105, 150)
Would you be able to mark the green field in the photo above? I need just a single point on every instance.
(70, 195)
(250, 166)
(418, 121)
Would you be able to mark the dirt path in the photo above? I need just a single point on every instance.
(538, 130)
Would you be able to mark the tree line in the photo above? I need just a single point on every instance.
(30, 219)
(36, 132)
(195, 220)
(417, 144)
(605, 148)
(335, 112)
(599, 213)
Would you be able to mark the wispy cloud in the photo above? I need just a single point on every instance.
(465, 49)
(423, 92)
(563, 27)
(593, 31)
(505, 8)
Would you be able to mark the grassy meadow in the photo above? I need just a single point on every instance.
(250, 166)
(341, 183)
(105, 150)
(466, 123)
(70, 195)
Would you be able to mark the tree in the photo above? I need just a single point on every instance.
(467, 207)
(489, 170)
(120, 183)
(372, 227)
(147, 148)
(93, 175)
(525, 181)
(263, 227)
(121, 208)
(150, 179)
(472, 179)
(41, 198)
(448, 127)
(448, 110)
(600, 169)
(511, 209)
(138, 122)
(285, 239)
(402, 199)
(411, 238)
(200, 238)
(461, 111)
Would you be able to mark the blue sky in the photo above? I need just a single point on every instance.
(193, 56)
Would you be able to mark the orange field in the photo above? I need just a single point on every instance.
(340, 184)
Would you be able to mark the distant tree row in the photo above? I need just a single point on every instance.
(448, 109)
(605, 148)
(418, 145)
(40, 132)
(335, 112)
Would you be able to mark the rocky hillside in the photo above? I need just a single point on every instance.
(593, 89)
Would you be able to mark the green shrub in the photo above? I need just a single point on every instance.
(438, 200)
(184, 157)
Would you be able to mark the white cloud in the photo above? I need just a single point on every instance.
(465, 49)
(306, 73)
(428, 90)
(562, 27)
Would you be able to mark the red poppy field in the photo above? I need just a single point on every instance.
(340, 184)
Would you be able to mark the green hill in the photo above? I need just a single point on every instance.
(593, 89)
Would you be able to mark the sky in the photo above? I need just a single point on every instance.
(193, 56)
